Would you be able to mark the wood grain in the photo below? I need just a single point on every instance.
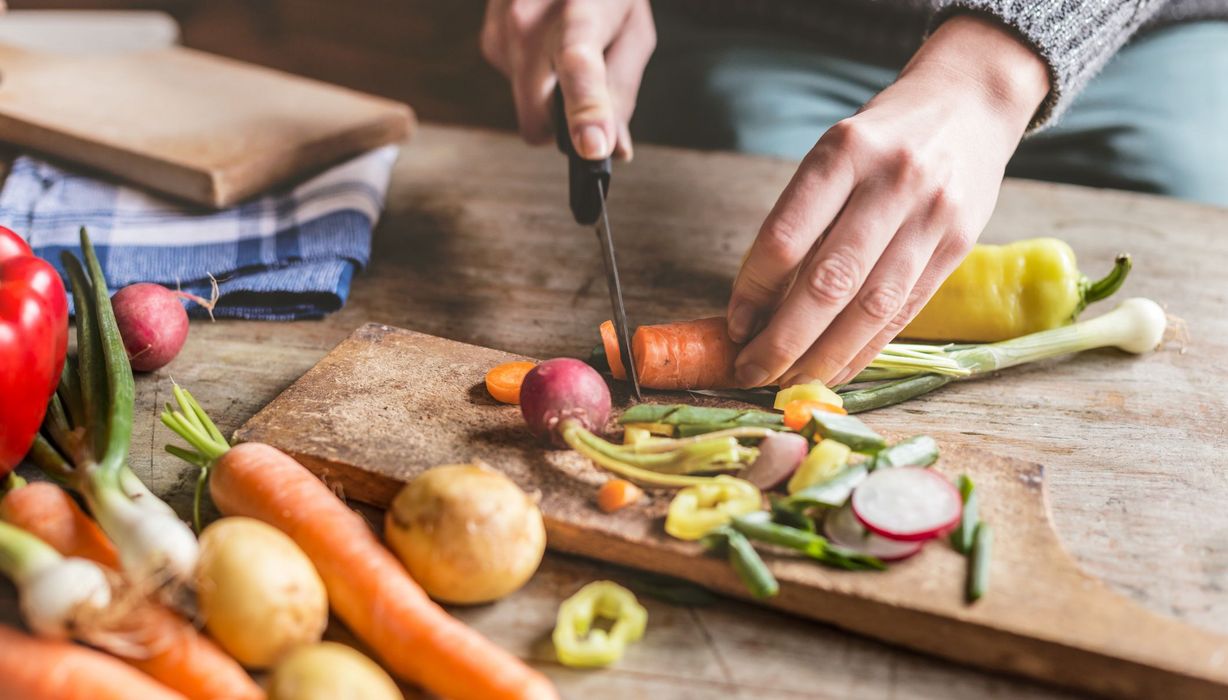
(387, 404)
(203, 128)
(1133, 447)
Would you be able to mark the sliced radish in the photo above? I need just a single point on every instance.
(907, 503)
(779, 456)
(843, 528)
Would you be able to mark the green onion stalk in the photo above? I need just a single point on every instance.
(904, 371)
(664, 461)
(86, 434)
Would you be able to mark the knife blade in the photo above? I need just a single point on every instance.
(588, 182)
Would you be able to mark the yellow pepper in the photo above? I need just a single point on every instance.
(825, 460)
(697, 510)
(578, 643)
(1005, 291)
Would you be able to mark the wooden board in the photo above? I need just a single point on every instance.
(388, 403)
(200, 127)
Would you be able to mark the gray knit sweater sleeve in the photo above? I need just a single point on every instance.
(1074, 37)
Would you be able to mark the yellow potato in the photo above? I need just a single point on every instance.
(259, 594)
(466, 533)
(330, 671)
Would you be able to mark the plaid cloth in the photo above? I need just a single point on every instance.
(286, 255)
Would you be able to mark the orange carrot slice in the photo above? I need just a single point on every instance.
(503, 381)
(617, 494)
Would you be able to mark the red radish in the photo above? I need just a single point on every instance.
(907, 503)
(153, 323)
(843, 528)
(561, 391)
(780, 454)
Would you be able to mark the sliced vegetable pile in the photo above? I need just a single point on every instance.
(837, 492)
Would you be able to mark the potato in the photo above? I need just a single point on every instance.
(330, 671)
(259, 594)
(466, 533)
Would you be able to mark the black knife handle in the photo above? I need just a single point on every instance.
(582, 175)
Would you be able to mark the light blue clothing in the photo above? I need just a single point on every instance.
(1154, 120)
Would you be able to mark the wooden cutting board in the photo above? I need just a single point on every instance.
(388, 403)
(193, 125)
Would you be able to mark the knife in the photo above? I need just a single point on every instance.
(588, 181)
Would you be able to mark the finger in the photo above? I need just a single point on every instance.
(492, 40)
(585, 31)
(533, 84)
(877, 305)
(625, 149)
(827, 284)
(626, 58)
(806, 208)
(948, 255)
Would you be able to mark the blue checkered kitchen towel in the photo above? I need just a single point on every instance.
(286, 255)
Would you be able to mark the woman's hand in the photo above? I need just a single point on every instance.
(884, 207)
(595, 50)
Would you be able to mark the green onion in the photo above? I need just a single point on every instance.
(1137, 326)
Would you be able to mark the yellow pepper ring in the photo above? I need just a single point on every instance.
(697, 510)
(1005, 291)
(578, 643)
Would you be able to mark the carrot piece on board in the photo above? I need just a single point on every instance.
(50, 513)
(797, 413)
(686, 355)
(367, 587)
(614, 356)
(503, 381)
(617, 494)
(32, 668)
(178, 655)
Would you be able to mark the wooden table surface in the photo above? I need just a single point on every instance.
(477, 245)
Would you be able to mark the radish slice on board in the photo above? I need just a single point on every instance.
(843, 528)
(779, 456)
(907, 503)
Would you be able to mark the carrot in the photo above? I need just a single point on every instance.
(797, 413)
(367, 587)
(686, 355)
(51, 514)
(503, 381)
(617, 494)
(177, 654)
(32, 668)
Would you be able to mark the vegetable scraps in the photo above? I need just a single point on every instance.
(466, 533)
(503, 381)
(33, 343)
(368, 588)
(1005, 291)
(578, 640)
(88, 429)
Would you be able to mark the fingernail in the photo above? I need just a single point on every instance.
(799, 379)
(740, 321)
(593, 143)
(750, 375)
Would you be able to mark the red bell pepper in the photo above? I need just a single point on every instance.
(33, 342)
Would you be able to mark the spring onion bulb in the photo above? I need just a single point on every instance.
(58, 596)
(1136, 326)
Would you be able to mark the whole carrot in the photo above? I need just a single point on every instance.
(367, 586)
(50, 513)
(685, 355)
(32, 668)
(176, 654)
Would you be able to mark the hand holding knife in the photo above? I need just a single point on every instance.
(588, 183)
